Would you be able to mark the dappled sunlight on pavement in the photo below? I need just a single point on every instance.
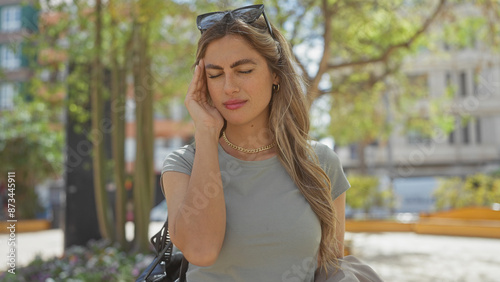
(410, 257)
(401, 257)
(47, 244)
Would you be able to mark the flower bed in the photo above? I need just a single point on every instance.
(98, 261)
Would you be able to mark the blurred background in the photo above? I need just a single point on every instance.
(406, 92)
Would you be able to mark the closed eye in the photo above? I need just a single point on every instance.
(248, 71)
(214, 76)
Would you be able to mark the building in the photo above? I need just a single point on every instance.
(411, 162)
(464, 84)
(473, 76)
(17, 20)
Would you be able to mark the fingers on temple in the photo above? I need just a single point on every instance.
(194, 82)
(197, 89)
(200, 77)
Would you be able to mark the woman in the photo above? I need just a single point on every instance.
(254, 199)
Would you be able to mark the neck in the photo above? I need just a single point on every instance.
(249, 137)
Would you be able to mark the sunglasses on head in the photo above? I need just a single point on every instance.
(248, 14)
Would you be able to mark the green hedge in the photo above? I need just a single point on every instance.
(475, 190)
(366, 194)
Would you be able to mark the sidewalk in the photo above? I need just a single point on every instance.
(411, 257)
(398, 257)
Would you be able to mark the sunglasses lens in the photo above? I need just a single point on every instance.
(248, 15)
(207, 21)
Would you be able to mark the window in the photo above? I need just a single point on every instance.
(446, 46)
(451, 137)
(7, 93)
(448, 79)
(475, 82)
(465, 133)
(478, 130)
(9, 58)
(11, 18)
(463, 84)
(353, 151)
(417, 137)
(449, 84)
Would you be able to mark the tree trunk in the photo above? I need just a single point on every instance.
(313, 89)
(118, 98)
(362, 157)
(143, 169)
(103, 209)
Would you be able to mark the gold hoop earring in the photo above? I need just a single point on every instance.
(276, 88)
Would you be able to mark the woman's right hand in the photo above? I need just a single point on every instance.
(202, 113)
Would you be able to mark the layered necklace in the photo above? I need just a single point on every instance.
(245, 150)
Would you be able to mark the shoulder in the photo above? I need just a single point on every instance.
(188, 149)
(180, 160)
(326, 156)
(330, 162)
(184, 152)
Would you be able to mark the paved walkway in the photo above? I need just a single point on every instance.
(411, 257)
(397, 257)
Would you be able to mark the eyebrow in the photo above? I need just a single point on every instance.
(233, 65)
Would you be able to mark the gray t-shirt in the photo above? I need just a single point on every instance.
(272, 234)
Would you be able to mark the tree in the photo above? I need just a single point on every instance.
(355, 76)
(30, 139)
(118, 96)
(97, 105)
(126, 37)
(30, 147)
(363, 43)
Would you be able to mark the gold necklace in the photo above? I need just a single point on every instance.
(245, 150)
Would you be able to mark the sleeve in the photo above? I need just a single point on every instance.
(330, 162)
(180, 160)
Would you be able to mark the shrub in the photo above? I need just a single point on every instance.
(366, 194)
(476, 190)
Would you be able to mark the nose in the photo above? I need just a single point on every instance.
(230, 85)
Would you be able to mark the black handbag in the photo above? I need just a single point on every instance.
(166, 267)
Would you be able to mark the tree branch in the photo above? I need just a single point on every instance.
(384, 56)
(298, 21)
(369, 83)
(328, 13)
(296, 24)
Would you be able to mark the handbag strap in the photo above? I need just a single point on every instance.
(161, 238)
(163, 247)
(158, 260)
(183, 270)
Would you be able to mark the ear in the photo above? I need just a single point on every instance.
(276, 79)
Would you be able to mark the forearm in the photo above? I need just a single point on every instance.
(339, 206)
(201, 218)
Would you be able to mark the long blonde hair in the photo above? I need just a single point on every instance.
(288, 122)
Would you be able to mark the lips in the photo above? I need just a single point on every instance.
(234, 104)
